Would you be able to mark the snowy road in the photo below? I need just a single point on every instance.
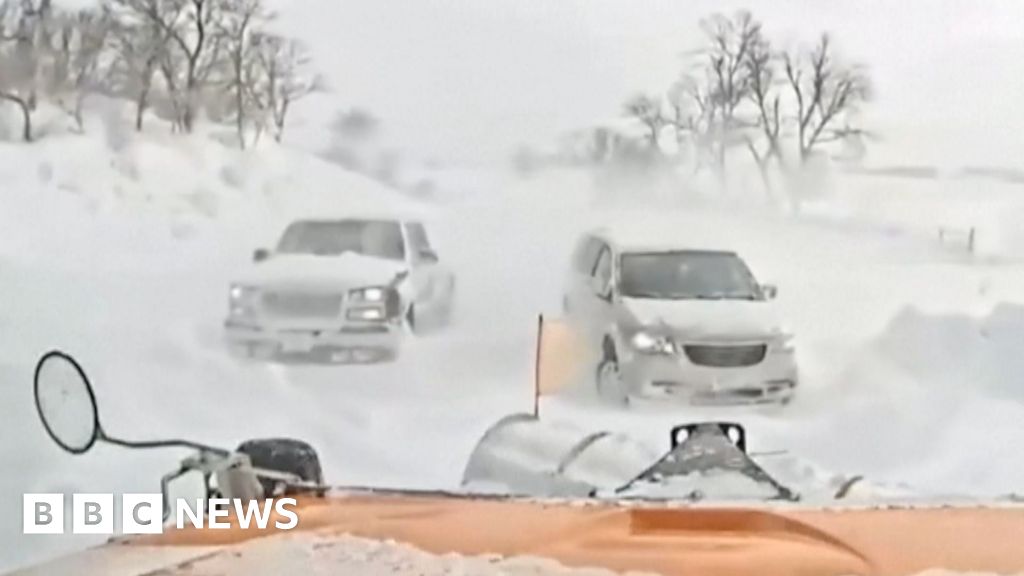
(878, 395)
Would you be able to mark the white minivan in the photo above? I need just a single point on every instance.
(662, 320)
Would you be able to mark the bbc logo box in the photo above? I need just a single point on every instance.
(92, 514)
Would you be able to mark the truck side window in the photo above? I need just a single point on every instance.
(418, 241)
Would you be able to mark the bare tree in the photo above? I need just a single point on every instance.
(140, 36)
(285, 78)
(825, 91)
(237, 25)
(24, 32)
(190, 26)
(764, 94)
(201, 46)
(730, 43)
(82, 38)
(647, 110)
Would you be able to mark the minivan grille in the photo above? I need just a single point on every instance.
(302, 304)
(720, 356)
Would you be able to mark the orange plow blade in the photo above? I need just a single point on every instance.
(671, 541)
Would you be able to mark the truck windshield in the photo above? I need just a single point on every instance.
(378, 238)
(686, 275)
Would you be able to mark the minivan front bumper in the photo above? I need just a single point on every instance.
(773, 379)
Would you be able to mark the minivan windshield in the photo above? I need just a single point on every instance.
(687, 275)
(378, 238)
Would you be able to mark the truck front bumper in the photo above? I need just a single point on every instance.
(347, 342)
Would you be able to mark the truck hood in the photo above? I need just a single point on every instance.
(347, 270)
(710, 319)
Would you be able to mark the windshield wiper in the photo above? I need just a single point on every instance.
(725, 296)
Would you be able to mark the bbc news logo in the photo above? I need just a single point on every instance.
(144, 513)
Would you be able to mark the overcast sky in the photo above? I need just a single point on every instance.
(474, 77)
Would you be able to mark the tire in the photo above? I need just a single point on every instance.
(284, 455)
(608, 380)
(244, 351)
(410, 320)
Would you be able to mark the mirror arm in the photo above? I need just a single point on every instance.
(165, 482)
(167, 444)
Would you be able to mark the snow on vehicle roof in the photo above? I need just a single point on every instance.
(411, 212)
(661, 236)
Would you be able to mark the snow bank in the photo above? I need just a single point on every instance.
(924, 206)
(126, 201)
(351, 555)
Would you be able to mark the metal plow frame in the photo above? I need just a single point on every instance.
(521, 455)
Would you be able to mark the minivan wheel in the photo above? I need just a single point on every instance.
(410, 320)
(610, 387)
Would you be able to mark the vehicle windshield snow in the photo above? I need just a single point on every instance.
(687, 275)
(378, 238)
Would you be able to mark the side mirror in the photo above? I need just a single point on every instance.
(66, 403)
(770, 291)
(428, 256)
(260, 255)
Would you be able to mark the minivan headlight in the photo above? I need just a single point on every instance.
(783, 344)
(648, 343)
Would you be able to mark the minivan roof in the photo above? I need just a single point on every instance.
(654, 237)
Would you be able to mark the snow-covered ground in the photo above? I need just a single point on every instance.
(122, 256)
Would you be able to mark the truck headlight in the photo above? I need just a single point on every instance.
(648, 343)
(371, 294)
(370, 313)
(242, 299)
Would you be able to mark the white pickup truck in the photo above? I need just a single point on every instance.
(339, 290)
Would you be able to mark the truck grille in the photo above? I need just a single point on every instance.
(302, 304)
(718, 356)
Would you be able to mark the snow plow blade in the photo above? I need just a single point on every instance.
(523, 456)
(665, 539)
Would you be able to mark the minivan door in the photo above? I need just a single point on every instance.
(596, 303)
